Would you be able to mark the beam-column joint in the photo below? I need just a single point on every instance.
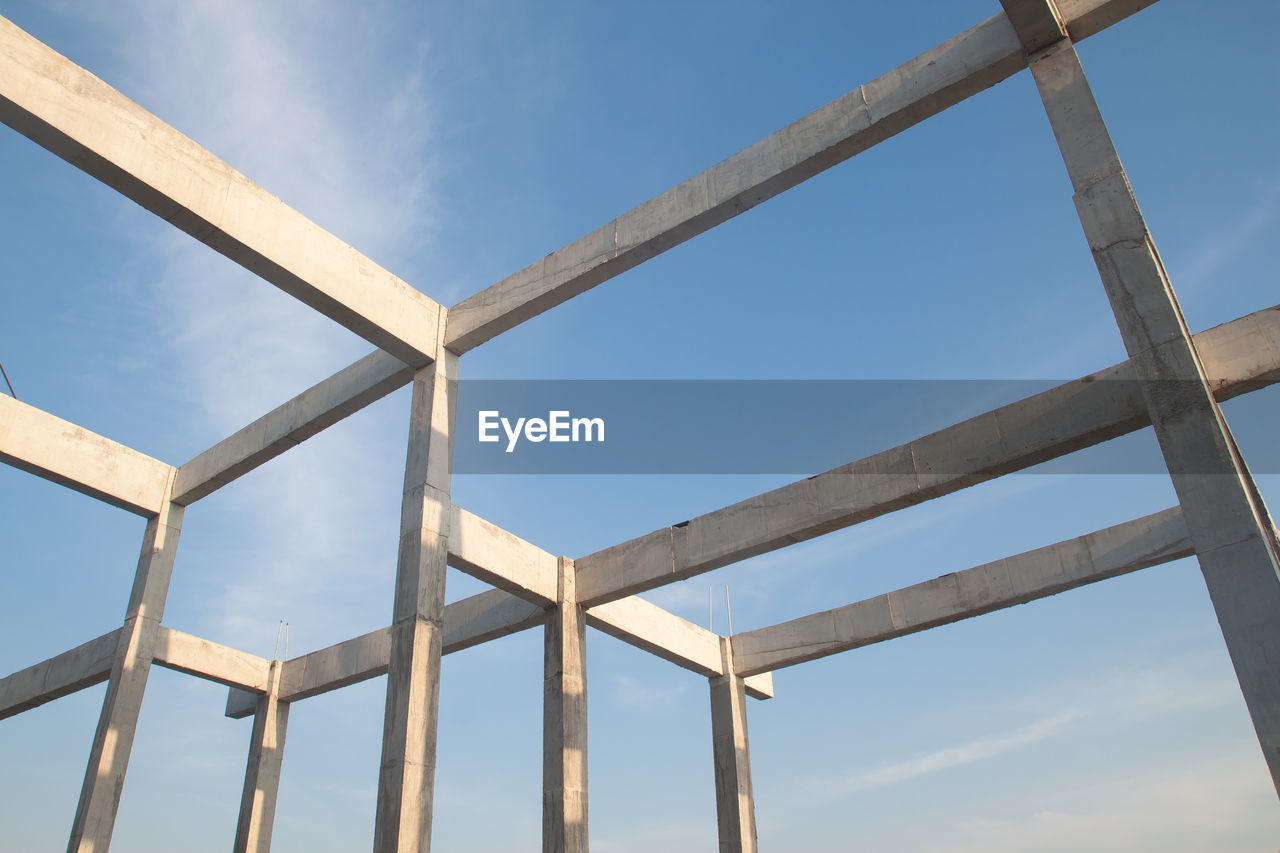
(1038, 23)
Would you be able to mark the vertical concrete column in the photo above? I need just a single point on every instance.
(262, 773)
(1232, 531)
(564, 722)
(735, 803)
(113, 740)
(407, 774)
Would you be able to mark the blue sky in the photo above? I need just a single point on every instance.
(457, 145)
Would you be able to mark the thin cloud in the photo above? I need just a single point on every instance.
(949, 757)
(289, 100)
(1224, 243)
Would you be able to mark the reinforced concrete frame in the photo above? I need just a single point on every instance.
(1176, 381)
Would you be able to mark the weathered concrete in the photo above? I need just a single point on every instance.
(647, 626)
(735, 802)
(564, 722)
(320, 406)
(973, 61)
(262, 772)
(213, 661)
(1038, 23)
(1107, 553)
(487, 616)
(1238, 356)
(49, 447)
(491, 554)
(84, 666)
(1233, 534)
(469, 622)
(135, 649)
(406, 779)
(73, 114)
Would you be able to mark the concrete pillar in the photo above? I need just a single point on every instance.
(262, 773)
(564, 723)
(735, 803)
(407, 773)
(1233, 534)
(113, 740)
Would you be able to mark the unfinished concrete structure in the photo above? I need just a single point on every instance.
(1176, 380)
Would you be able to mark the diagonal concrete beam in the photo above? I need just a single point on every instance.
(679, 641)
(60, 675)
(1238, 356)
(64, 108)
(973, 61)
(319, 407)
(213, 661)
(49, 447)
(1138, 544)
(487, 552)
(1038, 23)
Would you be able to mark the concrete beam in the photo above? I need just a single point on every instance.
(61, 675)
(1113, 551)
(973, 61)
(1084, 18)
(685, 644)
(1038, 23)
(731, 747)
(1233, 532)
(1238, 356)
(564, 722)
(469, 622)
(262, 770)
(64, 108)
(209, 660)
(487, 616)
(49, 447)
(491, 554)
(320, 406)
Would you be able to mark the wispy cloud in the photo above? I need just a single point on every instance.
(1224, 240)
(323, 107)
(949, 757)
(1118, 700)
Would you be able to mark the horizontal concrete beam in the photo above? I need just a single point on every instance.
(56, 450)
(209, 660)
(73, 114)
(649, 627)
(1084, 18)
(958, 68)
(487, 616)
(1117, 550)
(1238, 356)
(320, 406)
(491, 554)
(469, 622)
(61, 675)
